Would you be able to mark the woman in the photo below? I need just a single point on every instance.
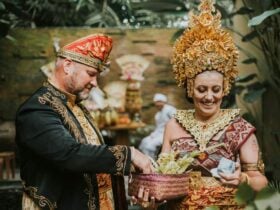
(204, 62)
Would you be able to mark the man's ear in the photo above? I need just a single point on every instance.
(67, 64)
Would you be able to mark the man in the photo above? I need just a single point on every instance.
(150, 144)
(63, 160)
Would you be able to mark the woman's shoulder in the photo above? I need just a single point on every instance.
(242, 123)
(171, 123)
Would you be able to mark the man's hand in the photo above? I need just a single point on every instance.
(141, 161)
(144, 200)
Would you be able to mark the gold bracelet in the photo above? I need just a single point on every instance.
(247, 178)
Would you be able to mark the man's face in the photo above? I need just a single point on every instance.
(208, 93)
(81, 79)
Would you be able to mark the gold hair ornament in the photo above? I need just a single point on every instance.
(204, 46)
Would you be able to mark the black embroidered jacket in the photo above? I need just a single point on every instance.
(57, 165)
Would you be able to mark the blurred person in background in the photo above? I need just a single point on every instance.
(152, 143)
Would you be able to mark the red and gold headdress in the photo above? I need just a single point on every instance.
(92, 50)
(204, 46)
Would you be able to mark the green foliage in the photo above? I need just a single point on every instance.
(242, 11)
(268, 198)
(260, 18)
(212, 208)
(245, 194)
(90, 13)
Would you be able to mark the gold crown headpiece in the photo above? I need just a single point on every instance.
(204, 46)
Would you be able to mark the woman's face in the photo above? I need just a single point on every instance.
(208, 93)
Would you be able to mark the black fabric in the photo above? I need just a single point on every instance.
(53, 162)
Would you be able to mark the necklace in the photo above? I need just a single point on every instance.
(203, 132)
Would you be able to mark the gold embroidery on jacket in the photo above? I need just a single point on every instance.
(202, 133)
(42, 200)
(89, 192)
(103, 180)
(92, 123)
(61, 109)
(121, 158)
(53, 90)
(28, 203)
(89, 132)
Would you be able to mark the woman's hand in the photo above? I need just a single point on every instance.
(233, 179)
(143, 199)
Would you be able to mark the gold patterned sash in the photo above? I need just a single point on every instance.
(106, 199)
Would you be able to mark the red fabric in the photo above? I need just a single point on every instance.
(95, 45)
(234, 136)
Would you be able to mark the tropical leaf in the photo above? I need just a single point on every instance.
(267, 198)
(177, 35)
(242, 11)
(250, 60)
(244, 194)
(252, 96)
(246, 78)
(2, 6)
(95, 19)
(259, 19)
(223, 11)
(255, 86)
(4, 26)
(265, 193)
(250, 36)
(238, 89)
(249, 117)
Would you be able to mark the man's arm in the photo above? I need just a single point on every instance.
(43, 133)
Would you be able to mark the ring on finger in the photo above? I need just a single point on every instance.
(145, 204)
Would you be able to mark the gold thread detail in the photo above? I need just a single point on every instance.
(201, 132)
(89, 192)
(204, 46)
(53, 90)
(61, 109)
(88, 130)
(42, 200)
(118, 153)
(92, 122)
(90, 61)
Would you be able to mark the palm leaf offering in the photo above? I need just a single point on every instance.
(174, 163)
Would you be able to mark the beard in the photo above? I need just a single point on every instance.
(80, 90)
(82, 95)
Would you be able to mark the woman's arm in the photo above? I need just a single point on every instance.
(169, 128)
(249, 155)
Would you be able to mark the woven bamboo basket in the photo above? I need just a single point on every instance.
(161, 186)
